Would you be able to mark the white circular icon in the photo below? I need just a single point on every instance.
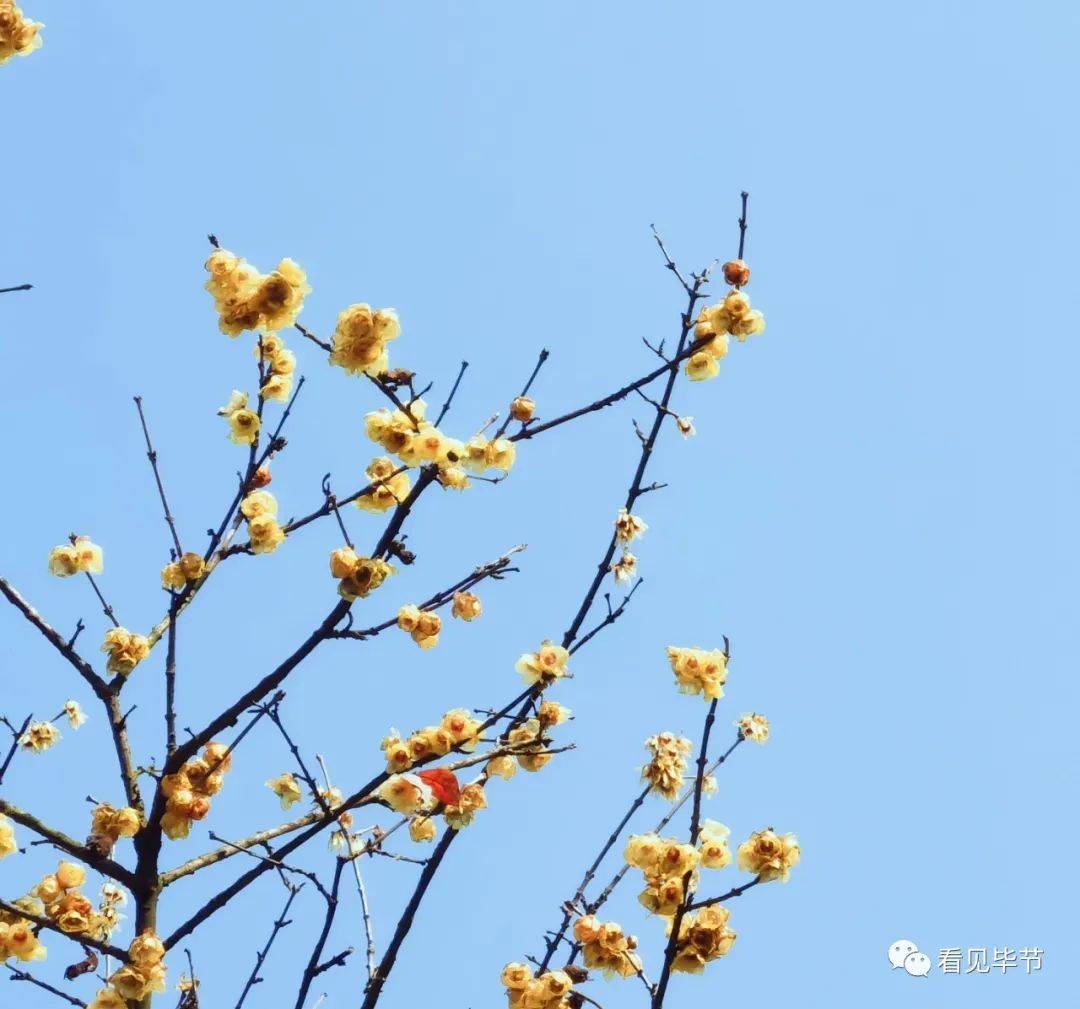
(917, 964)
(900, 951)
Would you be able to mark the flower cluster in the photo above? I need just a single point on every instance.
(244, 424)
(551, 990)
(260, 508)
(545, 665)
(422, 626)
(142, 975)
(17, 936)
(423, 792)
(604, 947)
(698, 671)
(390, 486)
(188, 791)
(732, 316)
(286, 788)
(703, 936)
(108, 824)
(39, 737)
(7, 838)
(713, 846)
(461, 813)
(664, 862)
(627, 529)
(361, 337)
(358, 576)
(247, 299)
(278, 365)
(125, 650)
(80, 556)
(665, 771)
(70, 911)
(75, 715)
(754, 727)
(189, 568)
(769, 855)
(457, 730)
(18, 36)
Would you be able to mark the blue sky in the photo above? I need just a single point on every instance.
(879, 507)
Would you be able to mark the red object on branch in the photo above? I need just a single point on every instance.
(443, 783)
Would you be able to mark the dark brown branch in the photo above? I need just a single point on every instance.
(612, 616)
(16, 734)
(736, 891)
(453, 393)
(101, 947)
(106, 866)
(260, 958)
(82, 667)
(20, 287)
(170, 679)
(695, 829)
(405, 922)
(742, 223)
(544, 355)
(17, 974)
(152, 456)
(314, 967)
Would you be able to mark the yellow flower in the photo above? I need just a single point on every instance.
(453, 478)
(522, 409)
(18, 35)
(265, 534)
(686, 426)
(244, 427)
(81, 556)
(125, 650)
(286, 788)
(547, 664)
(552, 713)
(343, 562)
(369, 574)
(475, 458)
(605, 948)
(175, 825)
(108, 998)
(135, 982)
(398, 754)
(628, 527)
(703, 936)
(360, 339)
(277, 387)
(754, 727)
(237, 401)
(501, 767)
(665, 771)
(529, 737)
(146, 949)
(7, 838)
(422, 828)
(714, 850)
(246, 299)
(402, 793)
(466, 606)
(17, 939)
(500, 454)
(462, 728)
(389, 489)
(698, 671)
(39, 736)
(172, 577)
(701, 366)
(625, 568)
(769, 855)
(75, 715)
(422, 625)
(69, 875)
(463, 812)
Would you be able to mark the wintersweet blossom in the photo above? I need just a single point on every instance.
(19, 36)
(421, 829)
(462, 813)
(360, 339)
(686, 426)
(529, 737)
(80, 556)
(665, 771)
(243, 423)
(604, 947)
(189, 568)
(188, 792)
(546, 664)
(625, 568)
(754, 727)
(75, 715)
(466, 606)
(125, 650)
(422, 626)
(286, 788)
(39, 737)
(363, 577)
(8, 845)
(698, 671)
(390, 486)
(551, 990)
(628, 527)
(245, 299)
(403, 793)
(664, 862)
(522, 409)
(703, 936)
(771, 856)
(713, 846)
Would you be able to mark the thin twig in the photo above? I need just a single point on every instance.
(453, 392)
(17, 974)
(544, 355)
(152, 456)
(314, 967)
(281, 922)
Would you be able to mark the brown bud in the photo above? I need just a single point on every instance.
(576, 974)
(522, 409)
(100, 844)
(260, 478)
(736, 273)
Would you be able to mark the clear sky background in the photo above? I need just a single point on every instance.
(879, 507)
